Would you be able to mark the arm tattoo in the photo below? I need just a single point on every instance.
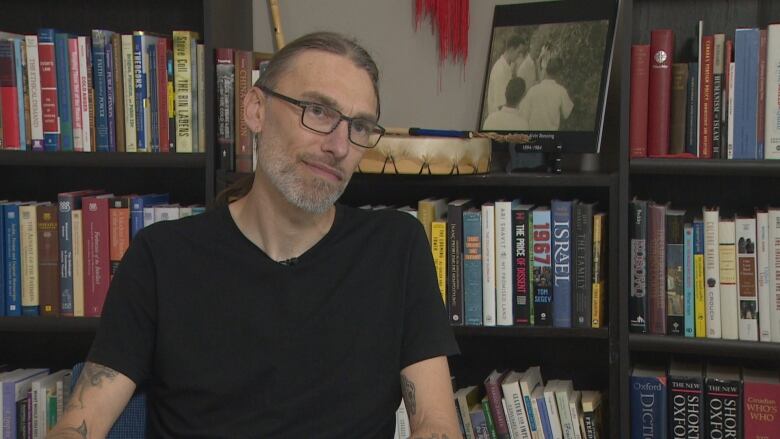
(92, 376)
(407, 390)
(79, 432)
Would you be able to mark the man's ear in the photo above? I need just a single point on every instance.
(254, 109)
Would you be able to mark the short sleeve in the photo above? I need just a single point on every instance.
(126, 334)
(426, 329)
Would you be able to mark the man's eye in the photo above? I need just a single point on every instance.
(360, 127)
(317, 110)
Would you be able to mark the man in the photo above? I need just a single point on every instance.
(280, 314)
(548, 101)
(508, 118)
(501, 73)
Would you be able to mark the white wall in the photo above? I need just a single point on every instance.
(414, 90)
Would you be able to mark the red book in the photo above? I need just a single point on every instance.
(706, 90)
(95, 226)
(640, 79)
(48, 259)
(9, 96)
(725, 99)
(659, 91)
(761, 399)
(50, 109)
(162, 94)
(243, 136)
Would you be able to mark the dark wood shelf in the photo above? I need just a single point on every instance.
(48, 324)
(704, 346)
(715, 167)
(103, 159)
(531, 331)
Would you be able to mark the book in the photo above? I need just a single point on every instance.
(439, 251)
(773, 215)
(723, 390)
(656, 268)
(96, 226)
(530, 382)
(454, 259)
(747, 291)
(706, 96)
(728, 280)
(493, 390)
(772, 101)
(599, 270)
(504, 262)
(592, 414)
(718, 70)
(47, 226)
(675, 287)
(712, 270)
(465, 399)
(28, 240)
(516, 413)
(522, 300)
(184, 59)
(472, 266)
(678, 110)
(551, 404)
(542, 267)
(659, 91)
(686, 400)
(746, 77)
(648, 387)
(640, 71)
(688, 281)
(12, 289)
(488, 264)
(762, 277)
(637, 301)
(760, 403)
(699, 295)
(562, 255)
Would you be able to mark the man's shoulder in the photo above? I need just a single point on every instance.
(384, 222)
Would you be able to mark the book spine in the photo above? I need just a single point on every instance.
(243, 62)
(705, 104)
(640, 71)
(761, 406)
(762, 277)
(78, 263)
(119, 231)
(225, 72)
(472, 267)
(488, 265)
(119, 92)
(96, 254)
(692, 110)
(75, 93)
(719, 41)
(723, 408)
(583, 264)
(182, 59)
(712, 271)
(34, 85)
(85, 75)
(9, 93)
(110, 93)
(518, 421)
(542, 267)
(63, 91)
(562, 256)
(48, 63)
(746, 278)
(552, 412)
(728, 84)
(731, 111)
(728, 280)
(688, 276)
(686, 407)
(493, 391)
(48, 260)
(541, 406)
(675, 286)
(99, 82)
(700, 296)
(761, 113)
(13, 264)
(598, 303)
(29, 250)
(656, 269)
(772, 101)
(128, 89)
(2, 259)
(503, 263)
(151, 115)
(439, 251)
(22, 97)
(200, 82)
(162, 95)
(648, 407)
(520, 267)
(455, 264)
(637, 302)
(678, 108)
(65, 205)
(774, 272)
(746, 46)
(659, 91)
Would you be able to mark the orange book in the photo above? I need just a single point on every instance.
(119, 230)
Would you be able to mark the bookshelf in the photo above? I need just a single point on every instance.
(736, 186)
(189, 178)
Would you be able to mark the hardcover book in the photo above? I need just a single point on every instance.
(723, 392)
(686, 400)
(647, 391)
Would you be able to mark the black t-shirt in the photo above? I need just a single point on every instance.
(229, 343)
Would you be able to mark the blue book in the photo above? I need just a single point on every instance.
(139, 76)
(137, 204)
(62, 55)
(688, 279)
(99, 41)
(13, 260)
(67, 202)
(472, 266)
(541, 404)
(2, 259)
(479, 423)
(562, 267)
(746, 44)
(647, 395)
(110, 93)
(51, 139)
(692, 110)
(154, 121)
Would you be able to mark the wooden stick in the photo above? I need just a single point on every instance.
(277, 21)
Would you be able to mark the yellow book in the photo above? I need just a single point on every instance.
(28, 240)
(184, 44)
(439, 251)
(78, 263)
(598, 291)
(429, 210)
(699, 291)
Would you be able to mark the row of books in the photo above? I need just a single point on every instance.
(236, 71)
(723, 103)
(57, 259)
(138, 92)
(505, 263)
(700, 274)
(32, 400)
(519, 405)
(690, 400)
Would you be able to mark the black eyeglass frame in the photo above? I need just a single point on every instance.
(306, 104)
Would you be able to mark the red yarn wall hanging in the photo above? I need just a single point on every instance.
(450, 18)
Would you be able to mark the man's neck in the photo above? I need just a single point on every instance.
(276, 226)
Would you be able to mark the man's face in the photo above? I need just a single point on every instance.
(310, 169)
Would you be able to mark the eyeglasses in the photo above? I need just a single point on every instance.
(324, 119)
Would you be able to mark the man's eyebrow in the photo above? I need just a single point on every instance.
(320, 98)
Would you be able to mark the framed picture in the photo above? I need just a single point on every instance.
(547, 73)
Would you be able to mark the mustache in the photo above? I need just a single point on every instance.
(326, 160)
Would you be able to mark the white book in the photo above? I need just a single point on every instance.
(402, 430)
(552, 409)
(13, 388)
(28, 239)
(34, 90)
(762, 274)
(537, 398)
(503, 263)
(575, 409)
(513, 397)
(39, 388)
(772, 125)
(728, 280)
(185, 211)
(87, 142)
(78, 263)
(75, 94)
(128, 90)
(774, 272)
(712, 271)
(148, 216)
(563, 391)
(529, 382)
(166, 212)
(730, 137)
(745, 238)
(488, 265)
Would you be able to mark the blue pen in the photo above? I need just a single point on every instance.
(439, 133)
